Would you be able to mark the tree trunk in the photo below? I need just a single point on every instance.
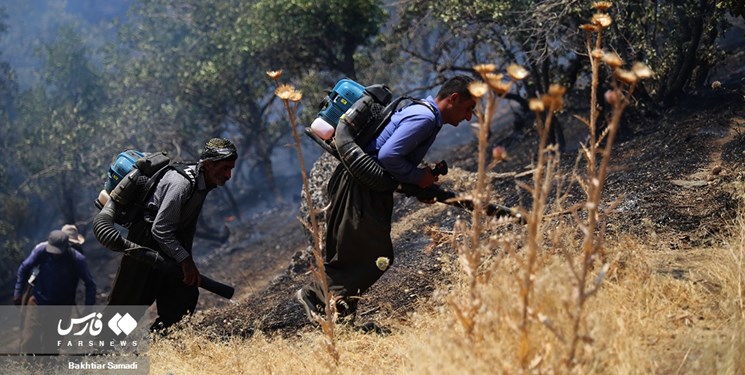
(347, 63)
(681, 76)
(265, 159)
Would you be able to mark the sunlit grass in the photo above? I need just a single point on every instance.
(647, 319)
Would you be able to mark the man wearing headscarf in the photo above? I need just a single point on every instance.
(168, 225)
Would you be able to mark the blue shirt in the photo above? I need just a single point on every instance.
(402, 144)
(58, 277)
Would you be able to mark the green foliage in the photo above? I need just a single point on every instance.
(190, 70)
(306, 34)
(8, 83)
(13, 209)
(58, 121)
(676, 39)
(14, 246)
(454, 12)
(735, 7)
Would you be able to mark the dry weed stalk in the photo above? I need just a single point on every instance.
(543, 176)
(593, 234)
(493, 88)
(737, 252)
(291, 99)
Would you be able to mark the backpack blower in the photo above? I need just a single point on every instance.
(350, 117)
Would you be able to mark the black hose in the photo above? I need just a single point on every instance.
(109, 237)
(359, 164)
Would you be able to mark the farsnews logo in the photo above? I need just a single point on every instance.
(93, 325)
(122, 324)
(92, 322)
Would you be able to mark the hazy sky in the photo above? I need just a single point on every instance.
(34, 22)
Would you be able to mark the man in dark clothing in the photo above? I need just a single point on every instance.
(359, 219)
(169, 225)
(59, 269)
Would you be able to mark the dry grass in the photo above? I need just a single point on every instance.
(648, 318)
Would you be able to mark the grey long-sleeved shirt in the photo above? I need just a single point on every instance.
(176, 210)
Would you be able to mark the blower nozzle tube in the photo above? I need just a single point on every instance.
(109, 237)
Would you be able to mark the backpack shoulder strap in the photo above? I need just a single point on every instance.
(182, 168)
(392, 108)
(424, 103)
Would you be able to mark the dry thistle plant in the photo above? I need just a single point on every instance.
(291, 99)
(472, 254)
(588, 215)
(543, 176)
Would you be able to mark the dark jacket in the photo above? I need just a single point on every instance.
(58, 277)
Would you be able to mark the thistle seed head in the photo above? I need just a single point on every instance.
(284, 92)
(613, 60)
(641, 70)
(625, 76)
(485, 68)
(612, 96)
(499, 153)
(274, 74)
(556, 90)
(478, 88)
(500, 87)
(601, 19)
(597, 54)
(517, 72)
(536, 105)
(601, 5)
(589, 28)
(493, 76)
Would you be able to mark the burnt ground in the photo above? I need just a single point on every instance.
(671, 177)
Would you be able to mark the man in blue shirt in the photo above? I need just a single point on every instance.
(359, 219)
(60, 269)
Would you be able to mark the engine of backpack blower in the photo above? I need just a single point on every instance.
(120, 167)
(333, 106)
(357, 105)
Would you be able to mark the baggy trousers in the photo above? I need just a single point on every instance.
(137, 283)
(358, 232)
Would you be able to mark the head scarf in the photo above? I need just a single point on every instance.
(219, 149)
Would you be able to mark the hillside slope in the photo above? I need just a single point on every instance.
(670, 179)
